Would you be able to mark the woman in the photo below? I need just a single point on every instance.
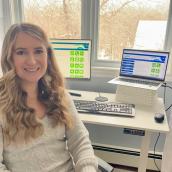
(40, 130)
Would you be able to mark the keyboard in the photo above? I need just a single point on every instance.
(139, 81)
(111, 108)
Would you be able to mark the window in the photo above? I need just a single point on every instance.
(111, 25)
(131, 24)
(59, 18)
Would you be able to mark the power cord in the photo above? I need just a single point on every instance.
(166, 86)
(164, 99)
(154, 152)
(168, 108)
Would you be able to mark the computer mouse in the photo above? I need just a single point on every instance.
(159, 117)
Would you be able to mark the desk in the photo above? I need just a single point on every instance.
(144, 120)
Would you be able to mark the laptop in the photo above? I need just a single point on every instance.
(142, 68)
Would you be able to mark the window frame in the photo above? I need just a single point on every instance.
(91, 23)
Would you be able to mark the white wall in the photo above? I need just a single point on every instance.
(1, 30)
(1, 24)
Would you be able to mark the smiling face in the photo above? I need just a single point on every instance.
(29, 58)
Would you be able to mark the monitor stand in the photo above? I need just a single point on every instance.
(129, 94)
(101, 98)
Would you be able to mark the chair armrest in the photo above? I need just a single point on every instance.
(104, 166)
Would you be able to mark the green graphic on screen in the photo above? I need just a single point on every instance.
(73, 57)
(155, 69)
(76, 64)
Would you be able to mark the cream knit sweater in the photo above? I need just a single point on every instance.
(50, 152)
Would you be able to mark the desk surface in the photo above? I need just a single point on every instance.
(143, 120)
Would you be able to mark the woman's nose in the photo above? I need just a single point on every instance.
(31, 59)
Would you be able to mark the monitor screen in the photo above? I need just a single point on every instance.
(144, 64)
(73, 57)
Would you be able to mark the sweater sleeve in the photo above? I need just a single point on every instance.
(2, 166)
(79, 144)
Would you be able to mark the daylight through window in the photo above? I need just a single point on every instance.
(131, 24)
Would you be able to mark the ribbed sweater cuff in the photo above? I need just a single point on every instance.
(88, 169)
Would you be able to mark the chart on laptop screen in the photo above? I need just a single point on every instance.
(149, 64)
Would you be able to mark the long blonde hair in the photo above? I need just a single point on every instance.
(19, 120)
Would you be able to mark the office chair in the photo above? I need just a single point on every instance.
(104, 166)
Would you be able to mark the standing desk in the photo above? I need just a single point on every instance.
(143, 120)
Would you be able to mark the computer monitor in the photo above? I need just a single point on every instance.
(73, 57)
(144, 64)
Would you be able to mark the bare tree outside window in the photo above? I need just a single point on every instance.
(119, 23)
(60, 18)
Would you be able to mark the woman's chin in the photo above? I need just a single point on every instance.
(30, 80)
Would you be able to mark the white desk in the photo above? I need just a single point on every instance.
(144, 120)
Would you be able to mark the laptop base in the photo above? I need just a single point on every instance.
(116, 81)
(135, 95)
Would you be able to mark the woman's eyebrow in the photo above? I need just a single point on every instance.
(19, 48)
(38, 48)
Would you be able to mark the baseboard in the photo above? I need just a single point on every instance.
(126, 156)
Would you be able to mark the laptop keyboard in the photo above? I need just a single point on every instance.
(113, 108)
(139, 81)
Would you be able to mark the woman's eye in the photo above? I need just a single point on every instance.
(20, 52)
(39, 51)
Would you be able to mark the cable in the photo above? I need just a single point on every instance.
(169, 86)
(154, 152)
(166, 86)
(168, 108)
(164, 99)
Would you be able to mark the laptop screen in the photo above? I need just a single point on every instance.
(144, 64)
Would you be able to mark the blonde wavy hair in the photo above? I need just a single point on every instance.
(19, 120)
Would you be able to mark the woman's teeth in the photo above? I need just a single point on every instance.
(31, 70)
